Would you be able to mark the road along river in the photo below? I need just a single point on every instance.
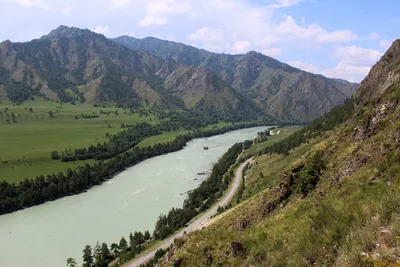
(46, 235)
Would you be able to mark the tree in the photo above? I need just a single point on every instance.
(102, 255)
(138, 238)
(71, 262)
(147, 235)
(97, 253)
(115, 249)
(105, 253)
(131, 240)
(87, 256)
(123, 245)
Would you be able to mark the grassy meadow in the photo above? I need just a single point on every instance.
(26, 144)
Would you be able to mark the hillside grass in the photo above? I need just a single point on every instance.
(350, 218)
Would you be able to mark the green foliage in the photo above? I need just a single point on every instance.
(311, 173)
(71, 262)
(87, 257)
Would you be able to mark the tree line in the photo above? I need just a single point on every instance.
(32, 192)
(117, 144)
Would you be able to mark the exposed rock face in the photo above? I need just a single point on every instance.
(383, 75)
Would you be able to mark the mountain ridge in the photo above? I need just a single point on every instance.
(72, 64)
(265, 80)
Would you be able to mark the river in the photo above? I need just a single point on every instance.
(46, 235)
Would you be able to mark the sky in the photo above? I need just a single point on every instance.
(335, 38)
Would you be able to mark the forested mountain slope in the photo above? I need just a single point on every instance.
(326, 196)
(283, 91)
(71, 64)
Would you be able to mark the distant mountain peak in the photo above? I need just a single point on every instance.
(70, 32)
(252, 52)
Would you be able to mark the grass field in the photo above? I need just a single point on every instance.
(26, 145)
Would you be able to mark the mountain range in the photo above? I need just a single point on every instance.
(71, 64)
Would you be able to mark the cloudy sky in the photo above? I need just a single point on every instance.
(337, 38)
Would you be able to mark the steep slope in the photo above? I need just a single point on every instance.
(202, 91)
(71, 64)
(332, 201)
(283, 91)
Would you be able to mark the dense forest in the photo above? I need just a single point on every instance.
(197, 201)
(41, 189)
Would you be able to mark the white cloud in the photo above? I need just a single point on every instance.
(355, 63)
(30, 3)
(101, 29)
(373, 35)
(348, 72)
(283, 3)
(150, 20)
(304, 66)
(67, 11)
(336, 37)
(119, 3)
(385, 43)
(357, 55)
(158, 11)
(206, 35)
(272, 52)
(289, 28)
(211, 39)
(241, 46)
(267, 41)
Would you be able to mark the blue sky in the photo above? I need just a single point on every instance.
(337, 38)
